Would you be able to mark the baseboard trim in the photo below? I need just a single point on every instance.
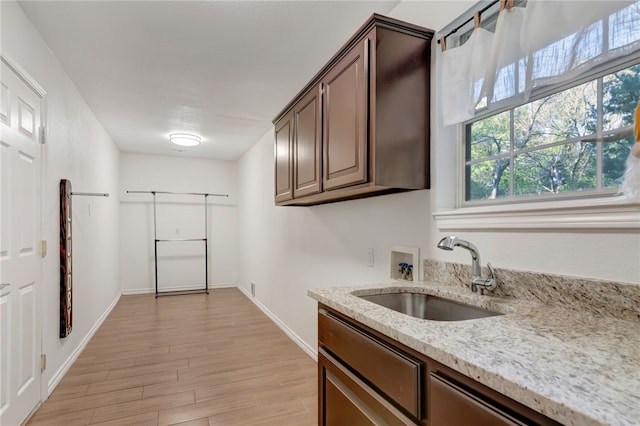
(57, 377)
(312, 352)
(186, 288)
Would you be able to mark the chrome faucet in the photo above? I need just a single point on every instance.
(450, 242)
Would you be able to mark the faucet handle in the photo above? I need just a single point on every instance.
(492, 272)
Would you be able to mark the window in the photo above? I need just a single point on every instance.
(553, 115)
(569, 143)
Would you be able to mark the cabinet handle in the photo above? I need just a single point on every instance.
(3, 285)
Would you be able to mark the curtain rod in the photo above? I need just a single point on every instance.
(481, 11)
(206, 194)
(91, 194)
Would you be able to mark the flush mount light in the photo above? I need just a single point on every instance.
(185, 139)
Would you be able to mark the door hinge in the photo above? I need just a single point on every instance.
(43, 248)
(43, 362)
(42, 137)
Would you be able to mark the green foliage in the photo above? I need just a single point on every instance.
(621, 95)
(549, 150)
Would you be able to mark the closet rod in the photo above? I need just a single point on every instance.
(182, 239)
(206, 194)
(91, 194)
(484, 9)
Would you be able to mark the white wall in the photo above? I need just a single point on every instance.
(180, 265)
(79, 149)
(287, 250)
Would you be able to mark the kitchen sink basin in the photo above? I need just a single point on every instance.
(428, 307)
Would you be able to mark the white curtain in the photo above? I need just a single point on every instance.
(504, 78)
(565, 38)
(462, 72)
(548, 42)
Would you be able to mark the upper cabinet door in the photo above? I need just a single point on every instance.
(307, 164)
(283, 155)
(345, 119)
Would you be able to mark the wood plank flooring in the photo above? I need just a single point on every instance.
(211, 360)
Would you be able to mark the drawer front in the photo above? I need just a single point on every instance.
(452, 405)
(393, 373)
(348, 401)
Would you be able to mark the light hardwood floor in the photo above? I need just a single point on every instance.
(213, 360)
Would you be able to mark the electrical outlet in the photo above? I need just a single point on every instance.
(370, 258)
(253, 289)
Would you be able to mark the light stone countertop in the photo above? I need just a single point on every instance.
(578, 369)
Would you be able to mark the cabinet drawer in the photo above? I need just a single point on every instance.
(348, 401)
(393, 373)
(453, 405)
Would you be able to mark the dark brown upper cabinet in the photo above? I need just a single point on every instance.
(307, 145)
(360, 127)
(345, 120)
(283, 156)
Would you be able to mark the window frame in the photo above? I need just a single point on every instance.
(594, 209)
(595, 74)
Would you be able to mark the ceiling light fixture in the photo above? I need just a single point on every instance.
(185, 139)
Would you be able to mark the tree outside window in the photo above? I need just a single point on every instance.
(565, 144)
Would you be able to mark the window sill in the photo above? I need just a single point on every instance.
(602, 213)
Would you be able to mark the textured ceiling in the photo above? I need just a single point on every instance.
(221, 69)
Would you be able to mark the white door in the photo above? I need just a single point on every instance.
(20, 259)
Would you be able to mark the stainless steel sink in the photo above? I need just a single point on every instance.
(428, 307)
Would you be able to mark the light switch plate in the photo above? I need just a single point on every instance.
(370, 258)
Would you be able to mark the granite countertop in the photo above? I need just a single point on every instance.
(576, 368)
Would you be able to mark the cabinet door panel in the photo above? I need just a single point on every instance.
(345, 120)
(283, 148)
(400, 377)
(454, 406)
(348, 401)
(340, 409)
(307, 145)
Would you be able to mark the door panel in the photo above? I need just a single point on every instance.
(27, 203)
(454, 406)
(5, 361)
(307, 143)
(341, 407)
(346, 400)
(345, 120)
(400, 379)
(283, 148)
(4, 104)
(5, 240)
(20, 261)
(26, 119)
(27, 347)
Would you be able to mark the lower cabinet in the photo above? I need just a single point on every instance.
(348, 401)
(365, 378)
(452, 405)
